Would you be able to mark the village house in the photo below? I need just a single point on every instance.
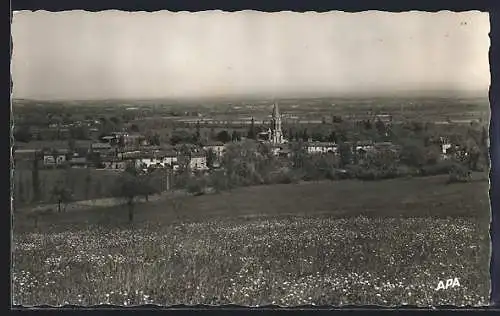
(157, 159)
(366, 146)
(130, 154)
(321, 147)
(384, 118)
(198, 162)
(78, 162)
(114, 164)
(217, 147)
(445, 146)
(55, 158)
(168, 158)
(379, 146)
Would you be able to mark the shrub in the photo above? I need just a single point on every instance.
(196, 186)
(376, 174)
(218, 181)
(443, 167)
(405, 171)
(285, 176)
(459, 173)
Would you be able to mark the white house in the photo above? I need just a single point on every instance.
(198, 162)
(160, 160)
(321, 147)
(49, 160)
(445, 145)
(364, 145)
(218, 148)
(54, 159)
(115, 164)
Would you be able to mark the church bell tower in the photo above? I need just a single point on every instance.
(277, 134)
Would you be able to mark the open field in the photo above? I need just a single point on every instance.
(97, 184)
(345, 242)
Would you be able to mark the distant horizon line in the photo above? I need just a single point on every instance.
(265, 96)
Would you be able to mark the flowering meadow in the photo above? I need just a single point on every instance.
(321, 243)
(286, 261)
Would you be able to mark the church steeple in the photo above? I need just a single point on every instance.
(277, 135)
(276, 112)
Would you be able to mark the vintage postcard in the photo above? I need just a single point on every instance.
(250, 158)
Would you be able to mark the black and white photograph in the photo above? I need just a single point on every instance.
(249, 158)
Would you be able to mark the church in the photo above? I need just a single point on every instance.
(274, 134)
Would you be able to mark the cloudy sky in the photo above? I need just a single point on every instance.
(112, 54)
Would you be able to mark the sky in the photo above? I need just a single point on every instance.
(113, 54)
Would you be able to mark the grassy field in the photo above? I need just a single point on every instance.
(99, 185)
(346, 242)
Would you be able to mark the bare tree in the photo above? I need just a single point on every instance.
(62, 194)
(131, 185)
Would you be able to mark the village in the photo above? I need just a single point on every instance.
(122, 149)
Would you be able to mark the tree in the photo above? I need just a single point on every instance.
(235, 136)
(179, 137)
(317, 136)
(115, 120)
(484, 137)
(380, 127)
(432, 154)
(223, 136)
(196, 185)
(413, 154)
(219, 181)
(240, 164)
(212, 134)
(88, 183)
(23, 134)
(305, 135)
(345, 152)
(35, 176)
(332, 137)
(20, 192)
(121, 142)
(484, 145)
(459, 173)
(367, 124)
(147, 185)
(251, 131)
(156, 140)
(211, 157)
(128, 187)
(71, 144)
(62, 194)
(79, 132)
(299, 154)
(134, 128)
